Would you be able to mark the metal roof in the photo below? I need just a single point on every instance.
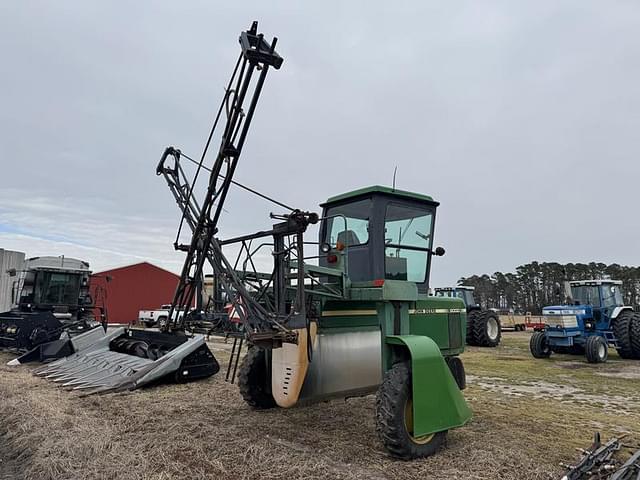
(595, 282)
(451, 289)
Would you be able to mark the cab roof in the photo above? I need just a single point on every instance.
(577, 283)
(381, 190)
(451, 289)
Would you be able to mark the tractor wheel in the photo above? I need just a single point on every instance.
(253, 378)
(635, 336)
(457, 370)
(622, 332)
(394, 417)
(486, 329)
(472, 318)
(596, 349)
(539, 346)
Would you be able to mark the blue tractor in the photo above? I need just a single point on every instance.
(593, 319)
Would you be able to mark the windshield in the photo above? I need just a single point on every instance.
(349, 225)
(54, 288)
(585, 295)
(611, 296)
(408, 239)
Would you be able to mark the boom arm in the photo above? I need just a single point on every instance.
(256, 54)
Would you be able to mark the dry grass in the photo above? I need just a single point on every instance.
(522, 428)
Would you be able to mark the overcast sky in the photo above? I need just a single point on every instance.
(521, 118)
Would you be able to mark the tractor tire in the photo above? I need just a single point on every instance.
(635, 336)
(394, 417)
(472, 318)
(539, 346)
(457, 370)
(622, 332)
(253, 380)
(486, 329)
(596, 349)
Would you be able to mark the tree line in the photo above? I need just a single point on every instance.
(538, 284)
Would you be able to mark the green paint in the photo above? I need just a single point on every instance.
(437, 325)
(379, 189)
(438, 404)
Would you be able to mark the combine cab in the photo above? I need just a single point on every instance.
(53, 302)
(483, 326)
(594, 320)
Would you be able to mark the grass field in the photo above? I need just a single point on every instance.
(529, 415)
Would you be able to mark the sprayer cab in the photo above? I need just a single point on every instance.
(379, 233)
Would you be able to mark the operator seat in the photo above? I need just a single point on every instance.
(348, 238)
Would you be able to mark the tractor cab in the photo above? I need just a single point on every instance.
(461, 291)
(591, 305)
(593, 318)
(379, 233)
(601, 295)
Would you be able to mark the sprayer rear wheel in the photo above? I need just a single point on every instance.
(394, 417)
(253, 380)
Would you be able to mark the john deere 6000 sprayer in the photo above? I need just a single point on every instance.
(352, 317)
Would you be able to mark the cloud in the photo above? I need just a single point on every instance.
(520, 118)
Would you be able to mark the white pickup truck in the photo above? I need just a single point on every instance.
(151, 318)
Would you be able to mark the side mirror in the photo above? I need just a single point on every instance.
(439, 251)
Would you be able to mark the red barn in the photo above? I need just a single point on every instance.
(129, 289)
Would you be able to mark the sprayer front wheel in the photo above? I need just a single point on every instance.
(394, 417)
(253, 379)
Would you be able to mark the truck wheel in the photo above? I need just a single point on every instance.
(486, 329)
(596, 349)
(635, 336)
(472, 317)
(539, 346)
(457, 370)
(162, 323)
(253, 379)
(394, 417)
(622, 332)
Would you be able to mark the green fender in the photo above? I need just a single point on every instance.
(438, 403)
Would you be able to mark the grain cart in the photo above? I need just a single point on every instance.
(51, 300)
(483, 326)
(595, 319)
